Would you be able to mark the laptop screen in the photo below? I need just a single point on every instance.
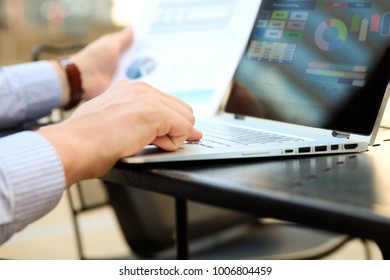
(307, 61)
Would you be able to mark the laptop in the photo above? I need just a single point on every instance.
(313, 79)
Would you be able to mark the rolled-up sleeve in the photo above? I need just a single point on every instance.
(31, 181)
(27, 92)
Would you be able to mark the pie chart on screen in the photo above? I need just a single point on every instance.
(331, 34)
(140, 68)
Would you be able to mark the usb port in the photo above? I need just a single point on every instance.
(334, 147)
(289, 151)
(304, 150)
(320, 148)
(350, 146)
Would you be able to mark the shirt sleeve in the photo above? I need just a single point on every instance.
(32, 181)
(28, 91)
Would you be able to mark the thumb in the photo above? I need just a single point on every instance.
(195, 135)
(127, 36)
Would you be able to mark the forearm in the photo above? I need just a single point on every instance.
(31, 181)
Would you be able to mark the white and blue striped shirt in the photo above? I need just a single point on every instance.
(32, 179)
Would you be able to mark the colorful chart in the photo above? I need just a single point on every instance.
(280, 52)
(331, 34)
(140, 68)
(385, 27)
(347, 74)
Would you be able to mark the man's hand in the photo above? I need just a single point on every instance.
(118, 123)
(98, 61)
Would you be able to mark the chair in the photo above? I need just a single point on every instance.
(40, 49)
(147, 221)
(83, 197)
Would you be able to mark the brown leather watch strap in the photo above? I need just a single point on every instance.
(74, 81)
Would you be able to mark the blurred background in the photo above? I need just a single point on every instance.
(25, 23)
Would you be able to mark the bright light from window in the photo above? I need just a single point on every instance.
(125, 12)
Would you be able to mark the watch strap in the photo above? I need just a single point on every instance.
(74, 80)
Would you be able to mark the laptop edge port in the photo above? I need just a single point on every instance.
(350, 146)
(320, 148)
(334, 147)
(304, 150)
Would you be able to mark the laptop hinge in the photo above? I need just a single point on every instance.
(339, 134)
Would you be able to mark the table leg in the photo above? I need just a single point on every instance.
(181, 229)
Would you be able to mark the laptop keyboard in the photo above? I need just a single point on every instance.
(219, 135)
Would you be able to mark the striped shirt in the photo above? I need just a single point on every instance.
(32, 179)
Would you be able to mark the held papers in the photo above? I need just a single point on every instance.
(189, 48)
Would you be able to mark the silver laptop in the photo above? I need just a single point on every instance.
(313, 80)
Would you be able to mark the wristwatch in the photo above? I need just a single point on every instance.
(74, 80)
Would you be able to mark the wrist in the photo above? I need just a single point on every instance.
(64, 86)
(72, 78)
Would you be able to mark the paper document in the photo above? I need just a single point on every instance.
(189, 48)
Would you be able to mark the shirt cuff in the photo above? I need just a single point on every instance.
(32, 181)
(37, 86)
